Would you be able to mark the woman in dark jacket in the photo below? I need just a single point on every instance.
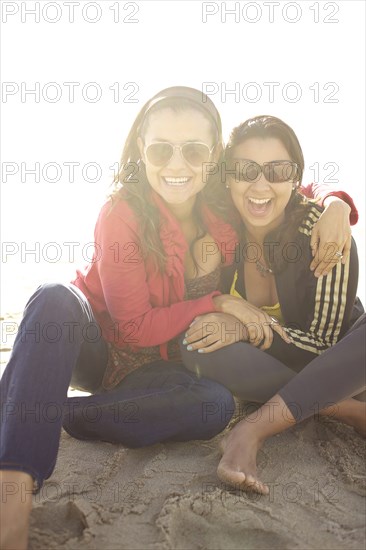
(322, 360)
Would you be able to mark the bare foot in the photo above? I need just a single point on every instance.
(16, 503)
(238, 466)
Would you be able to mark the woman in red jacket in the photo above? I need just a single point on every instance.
(160, 243)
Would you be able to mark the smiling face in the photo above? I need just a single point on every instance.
(261, 204)
(176, 181)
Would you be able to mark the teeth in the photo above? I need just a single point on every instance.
(176, 181)
(260, 201)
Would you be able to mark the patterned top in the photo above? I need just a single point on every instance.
(123, 361)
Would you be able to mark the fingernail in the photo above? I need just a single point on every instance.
(189, 348)
(201, 350)
(184, 341)
(317, 274)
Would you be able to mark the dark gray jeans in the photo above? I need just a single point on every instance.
(253, 375)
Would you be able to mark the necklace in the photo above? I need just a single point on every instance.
(263, 270)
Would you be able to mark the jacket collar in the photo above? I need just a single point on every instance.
(174, 242)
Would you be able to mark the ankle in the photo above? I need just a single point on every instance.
(16, 504)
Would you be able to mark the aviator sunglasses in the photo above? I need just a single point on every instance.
(194, 153)
(275, 171)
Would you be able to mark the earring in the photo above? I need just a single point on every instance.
(227, 186)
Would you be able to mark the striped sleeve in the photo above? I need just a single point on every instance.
(320, 191)
(328, 297)
(328, 312)
(317, 311)
(309, 221)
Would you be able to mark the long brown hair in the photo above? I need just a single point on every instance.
(263, 127)
(131, 182)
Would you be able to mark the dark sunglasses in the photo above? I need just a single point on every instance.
(194, 153)
(275, 171)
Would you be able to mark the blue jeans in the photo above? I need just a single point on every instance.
(58, 343)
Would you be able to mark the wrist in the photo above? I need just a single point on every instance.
(336, 202)
(218, 302)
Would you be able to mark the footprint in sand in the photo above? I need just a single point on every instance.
(198, 521)
(344, 450)
(54, 524)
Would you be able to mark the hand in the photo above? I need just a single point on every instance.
(331, 234)
(258, 324)
(213, 331)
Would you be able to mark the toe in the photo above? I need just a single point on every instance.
(229, 475)
(253, 484)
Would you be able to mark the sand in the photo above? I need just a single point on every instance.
(168, 496)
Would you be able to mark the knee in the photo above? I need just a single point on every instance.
(55, 295)
(196, 409)
(361, 321)
(53, 290)
(217, 402)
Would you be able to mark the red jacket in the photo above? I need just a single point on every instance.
(134, 304)
(321, 192)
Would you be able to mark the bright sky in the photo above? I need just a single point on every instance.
(96, 64)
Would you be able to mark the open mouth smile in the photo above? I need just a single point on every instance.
(176, 182)
(259, 201)
(259, 207)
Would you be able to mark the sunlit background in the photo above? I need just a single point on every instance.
(314, 67)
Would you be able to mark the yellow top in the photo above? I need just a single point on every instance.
(272, 311)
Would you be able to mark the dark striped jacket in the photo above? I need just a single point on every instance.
(316, 311)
